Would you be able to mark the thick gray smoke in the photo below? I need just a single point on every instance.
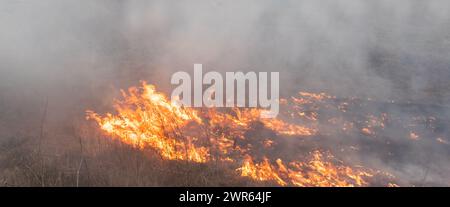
(77, 54)
(375, 48)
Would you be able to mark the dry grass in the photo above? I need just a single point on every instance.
(82, 156)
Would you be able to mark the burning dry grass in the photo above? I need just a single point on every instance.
(147, 141)
(315, 172)
(146, 119)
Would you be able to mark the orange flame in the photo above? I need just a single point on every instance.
(145, 118)
(316, 172)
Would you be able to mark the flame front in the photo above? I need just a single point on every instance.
(315, 172)
(145, 118)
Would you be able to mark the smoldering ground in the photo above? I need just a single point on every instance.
(59, 58)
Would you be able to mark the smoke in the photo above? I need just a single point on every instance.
(378, 49)
(384, 49)
(78, 54)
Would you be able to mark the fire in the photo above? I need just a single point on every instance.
(316, 172)
(145, 118)
(442, 140)
(367, 131)
(315, 96)
(288, 129)
(263, 171)
(413, 136)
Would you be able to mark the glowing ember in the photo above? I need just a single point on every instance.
(413, 136)
(442, 140)
(288, 129)
(367, 131)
